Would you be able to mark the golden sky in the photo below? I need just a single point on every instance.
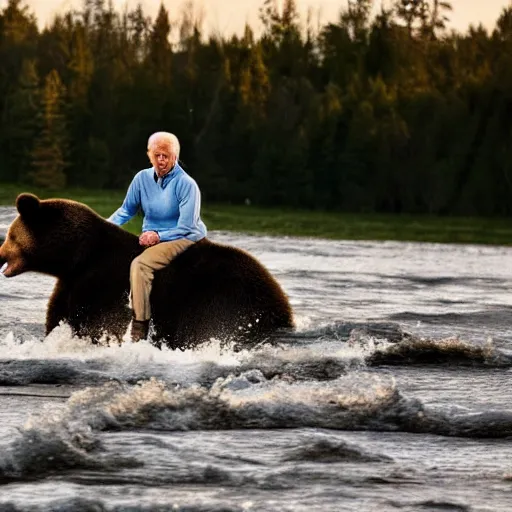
(228, 16)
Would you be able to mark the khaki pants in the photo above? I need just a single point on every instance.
(143, 268)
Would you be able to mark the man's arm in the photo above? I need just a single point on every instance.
(130, 204)
(189, 198)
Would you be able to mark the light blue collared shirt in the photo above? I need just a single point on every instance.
(171, 205)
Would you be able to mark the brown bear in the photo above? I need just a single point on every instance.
(209, 291)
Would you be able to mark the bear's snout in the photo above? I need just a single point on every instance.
(11, 263)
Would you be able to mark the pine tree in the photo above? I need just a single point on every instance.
(439, 16)
(269, 16)
(50, 149)
(80, 66)
(160, 52)
(18, 41)
(20, 122)
(413, 13)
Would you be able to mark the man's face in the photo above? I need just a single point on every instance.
(162, 158)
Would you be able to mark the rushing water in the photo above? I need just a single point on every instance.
(392, 394)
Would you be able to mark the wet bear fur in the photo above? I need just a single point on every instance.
(208, 291)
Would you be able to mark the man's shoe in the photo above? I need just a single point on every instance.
(140, 329)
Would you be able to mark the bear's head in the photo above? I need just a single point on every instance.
(47, 236)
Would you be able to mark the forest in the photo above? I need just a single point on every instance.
(390, 112)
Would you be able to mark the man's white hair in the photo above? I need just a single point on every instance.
(165, 139)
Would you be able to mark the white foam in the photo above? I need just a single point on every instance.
(126, 361)
(61, 343)
(259, 403)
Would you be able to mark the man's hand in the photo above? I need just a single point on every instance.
(149, 238)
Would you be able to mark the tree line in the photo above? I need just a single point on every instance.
(386, 113)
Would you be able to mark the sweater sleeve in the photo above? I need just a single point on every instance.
(130, 204)
(189, 198)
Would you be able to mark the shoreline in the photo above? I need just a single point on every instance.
(272, 221)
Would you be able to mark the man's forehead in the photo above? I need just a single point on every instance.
(162, 147)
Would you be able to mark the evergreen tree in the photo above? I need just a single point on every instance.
(160, 52)
(386, 114)
(439, 16)
(20, 123)
(50, 148)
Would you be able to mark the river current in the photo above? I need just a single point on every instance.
(392, 394)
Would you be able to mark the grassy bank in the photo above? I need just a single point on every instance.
(271, 221)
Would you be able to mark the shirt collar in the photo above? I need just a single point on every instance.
(167, 177)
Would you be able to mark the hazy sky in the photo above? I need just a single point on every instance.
(230, 15)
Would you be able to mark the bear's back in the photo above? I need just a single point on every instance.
(214, 290)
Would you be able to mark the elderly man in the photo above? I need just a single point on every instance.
(170, 200)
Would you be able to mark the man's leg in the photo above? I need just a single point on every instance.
(142, 270)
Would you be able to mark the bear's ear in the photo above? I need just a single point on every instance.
(28, 205)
